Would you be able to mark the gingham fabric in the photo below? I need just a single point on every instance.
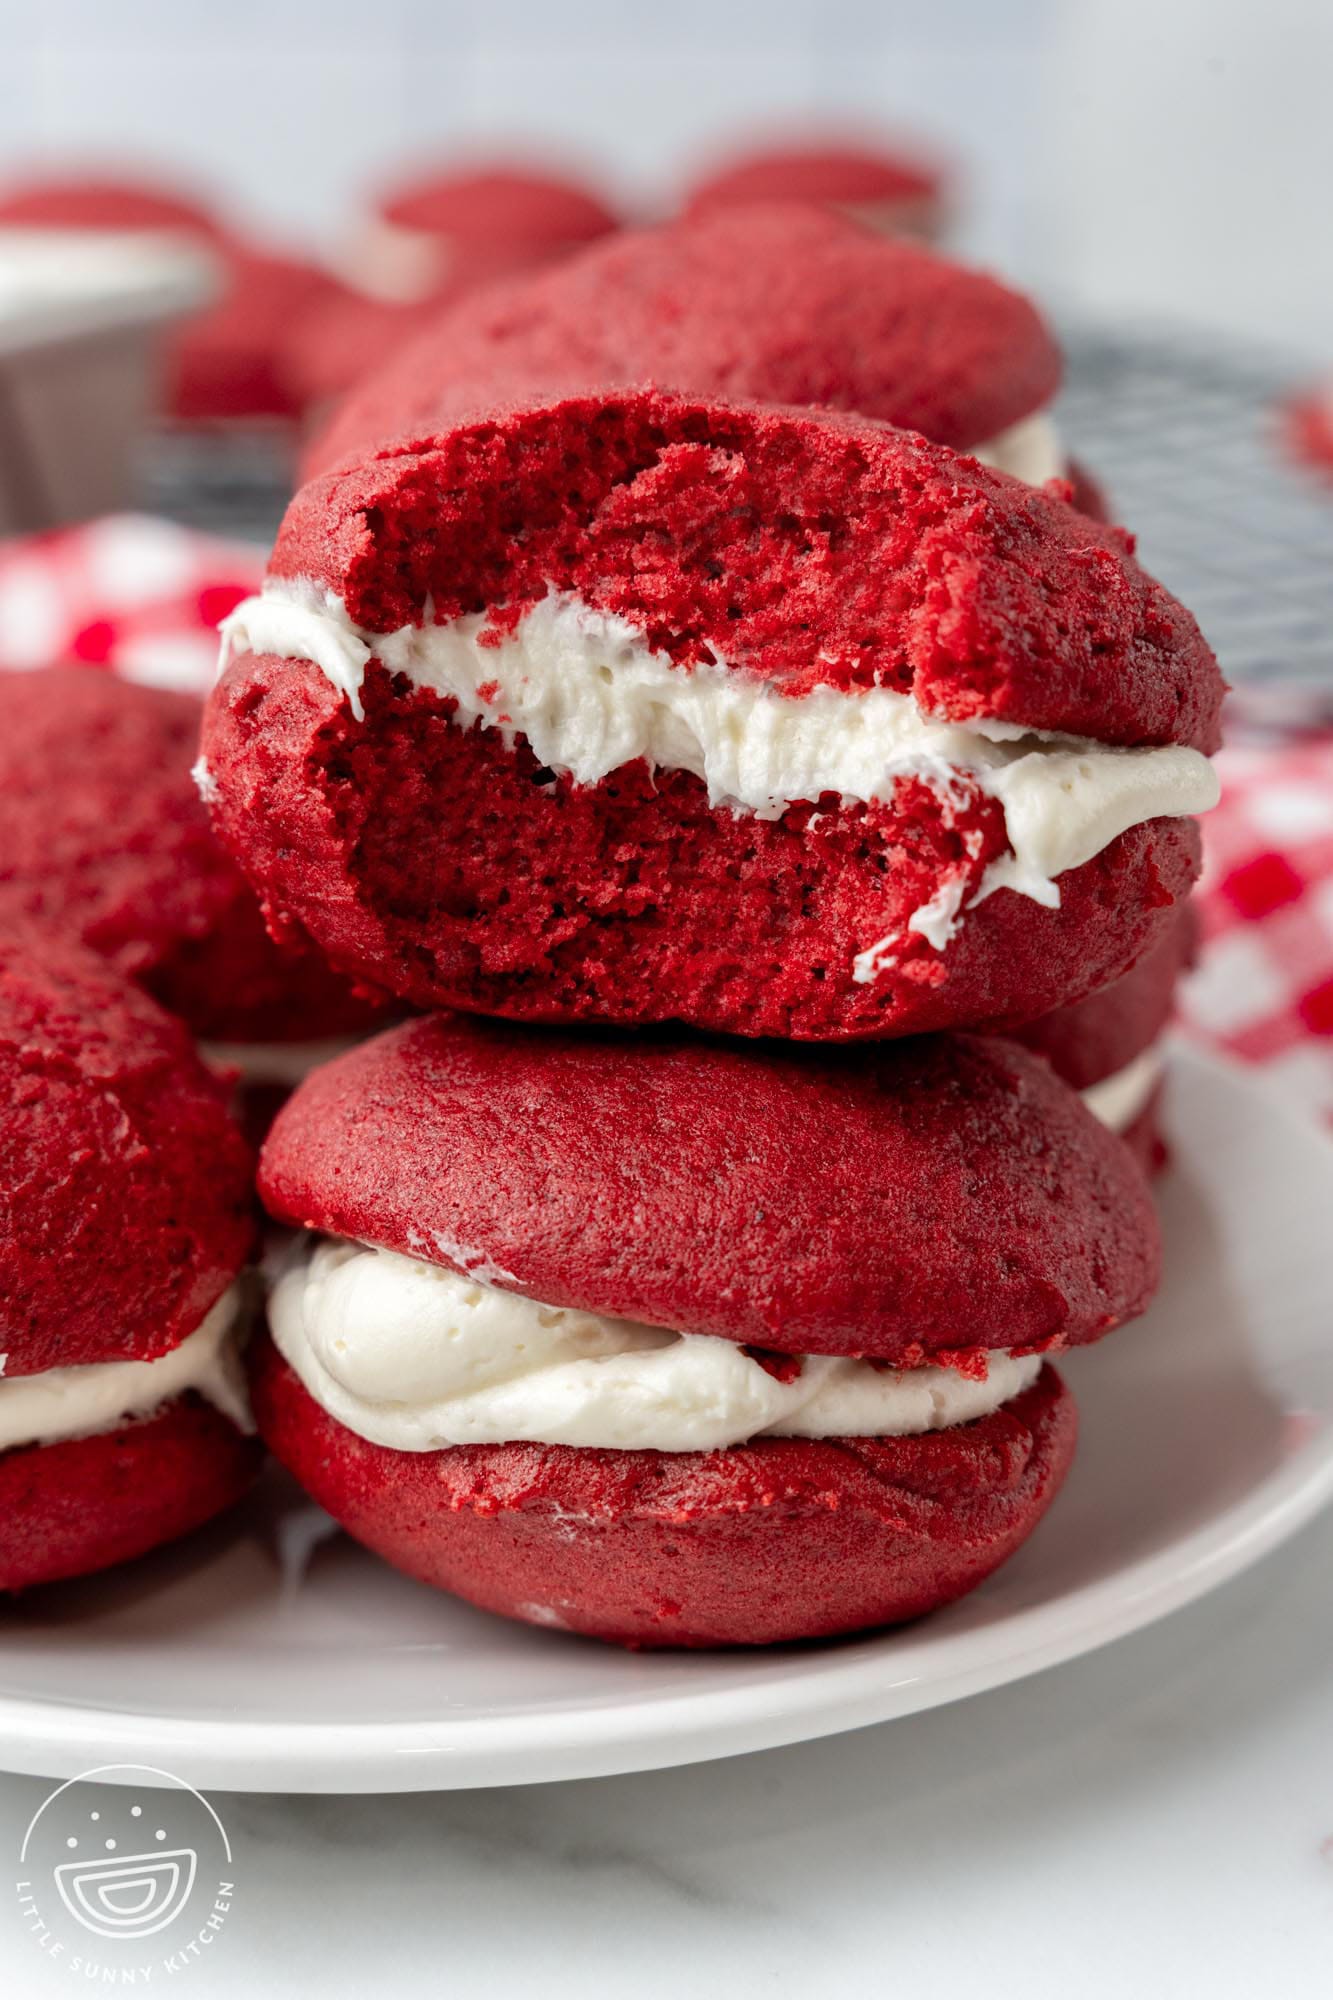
(1263, 987)
(138, 595)
(142, 597)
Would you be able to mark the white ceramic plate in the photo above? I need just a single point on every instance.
(272, 1654)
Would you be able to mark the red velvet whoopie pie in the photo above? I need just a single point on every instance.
(631, 707)
(126, 1216)
(679, 1342)
(469, 221)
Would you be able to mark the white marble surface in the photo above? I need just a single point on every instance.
(1156, 1819)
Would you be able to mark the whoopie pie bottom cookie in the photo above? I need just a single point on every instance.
(778, 1539)
(85, 1504)
(102, 1462)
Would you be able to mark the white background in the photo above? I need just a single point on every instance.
(1167, 156)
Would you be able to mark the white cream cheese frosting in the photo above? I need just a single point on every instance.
(281, 1063)
(393, 262)
(588, 694)
(1119, 1099)
(415, 1357)
(77, 1402)
(1029, 450)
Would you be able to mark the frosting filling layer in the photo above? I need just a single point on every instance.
(280, 1063)
(396, 263)
(588, 694)
(78, 1402)
(1029, 450)
(416, 1357)
(1119, 1099)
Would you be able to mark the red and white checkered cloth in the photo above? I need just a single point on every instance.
(138, 595)
(1263, 987)
(143, 597)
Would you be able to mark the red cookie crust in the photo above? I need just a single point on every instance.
(782, 304)
(775, 1540)
(1308, 428)
(894, 1202)
(806, 549)
(103, 836)
(229, 363)
(125, 1188)
(87, 1503)
(490, 208)
(100, 203)
(1096, 1037)
(1087, 493)
(330, 349)
(827, 171)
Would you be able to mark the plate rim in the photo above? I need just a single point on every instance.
(837, 1694)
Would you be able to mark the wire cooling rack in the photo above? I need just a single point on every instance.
(1186, 439)
(233, 483)
(1183, 434)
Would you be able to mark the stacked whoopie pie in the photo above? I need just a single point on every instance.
(633, 706)
(672, 1341)
(739, 761)
(787, 303)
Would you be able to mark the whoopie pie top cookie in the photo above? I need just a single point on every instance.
(100, 202)
(126, 1203)
(782, 303)
(103, 836)
(633, 707)
(860, 178)
(489, 208)
(897, 1203)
